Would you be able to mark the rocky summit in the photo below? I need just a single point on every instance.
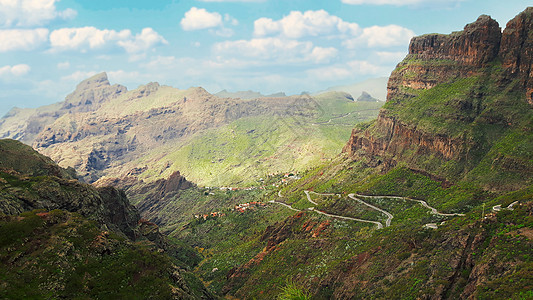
(189, 195)
(103, 130)
(476, 79)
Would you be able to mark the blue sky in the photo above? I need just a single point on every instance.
(48, 46)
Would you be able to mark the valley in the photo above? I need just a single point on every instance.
(190, 195)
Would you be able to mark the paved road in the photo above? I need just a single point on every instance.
(355, 197)
(309, 198)
(389, 215)
(349, 218)
(378, 224)
(424, 203)
(286, 205)
(499, 207)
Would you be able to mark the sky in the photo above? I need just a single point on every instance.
(48, 46)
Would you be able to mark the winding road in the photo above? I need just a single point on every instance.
(424, 203)
(389, 215)
(357, 197)
(342, 116)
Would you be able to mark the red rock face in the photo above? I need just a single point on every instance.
(517, 50)
(476, 45)
(434, 59)
(437, 58)
(395, 138)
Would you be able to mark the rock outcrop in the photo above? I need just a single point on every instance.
(91, 93)
(516, 50)
(366, 97)
(36, 182)
(437, 58)
(477, 53)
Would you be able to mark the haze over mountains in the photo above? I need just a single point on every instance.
(104, 130)
(426, 196)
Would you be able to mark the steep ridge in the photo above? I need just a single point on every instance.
(47, 218)
(515, 50)
(153, 131)
(454, 139)
(452, 104)
(90, 94)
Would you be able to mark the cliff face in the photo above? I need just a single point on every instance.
(90, 94)
(436, 58)
(474, 71)
(517, 50)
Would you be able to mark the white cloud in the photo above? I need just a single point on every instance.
(26, 13)
(251, 1)
(351, 69)
(275, 50)
(402, 2)
(310, 23)
(323, 55)
(224, 32)
(16, 70)
(143, 41)
(22, 39)
(199, 18)
(91, 38)
(381, 36)
(231, 20)
(63, 65)
(85, 37)
(161, 62)
(79, 76)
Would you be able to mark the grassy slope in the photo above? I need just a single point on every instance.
(405, 261)
(250, 148)
(61, 254)
(493, 121)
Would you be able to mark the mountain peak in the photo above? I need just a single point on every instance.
(366, 97)
(96, 81)
(92, 92)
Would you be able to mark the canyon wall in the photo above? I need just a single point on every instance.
(480, 50)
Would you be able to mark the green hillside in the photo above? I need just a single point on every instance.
(251, 148)
(431, 200)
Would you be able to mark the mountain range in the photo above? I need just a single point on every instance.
(103, 130)
(426, 196)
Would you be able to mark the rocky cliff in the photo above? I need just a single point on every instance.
(516, 50)
(90, 94)
(452, 99)
(44, 210)
(32, 181)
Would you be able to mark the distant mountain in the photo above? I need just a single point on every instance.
(376, 87)
(366, 97)
(104, 130)
(247, 95)
(25, 123)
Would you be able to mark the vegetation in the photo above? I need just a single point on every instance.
(59, 254)
(250, 148)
